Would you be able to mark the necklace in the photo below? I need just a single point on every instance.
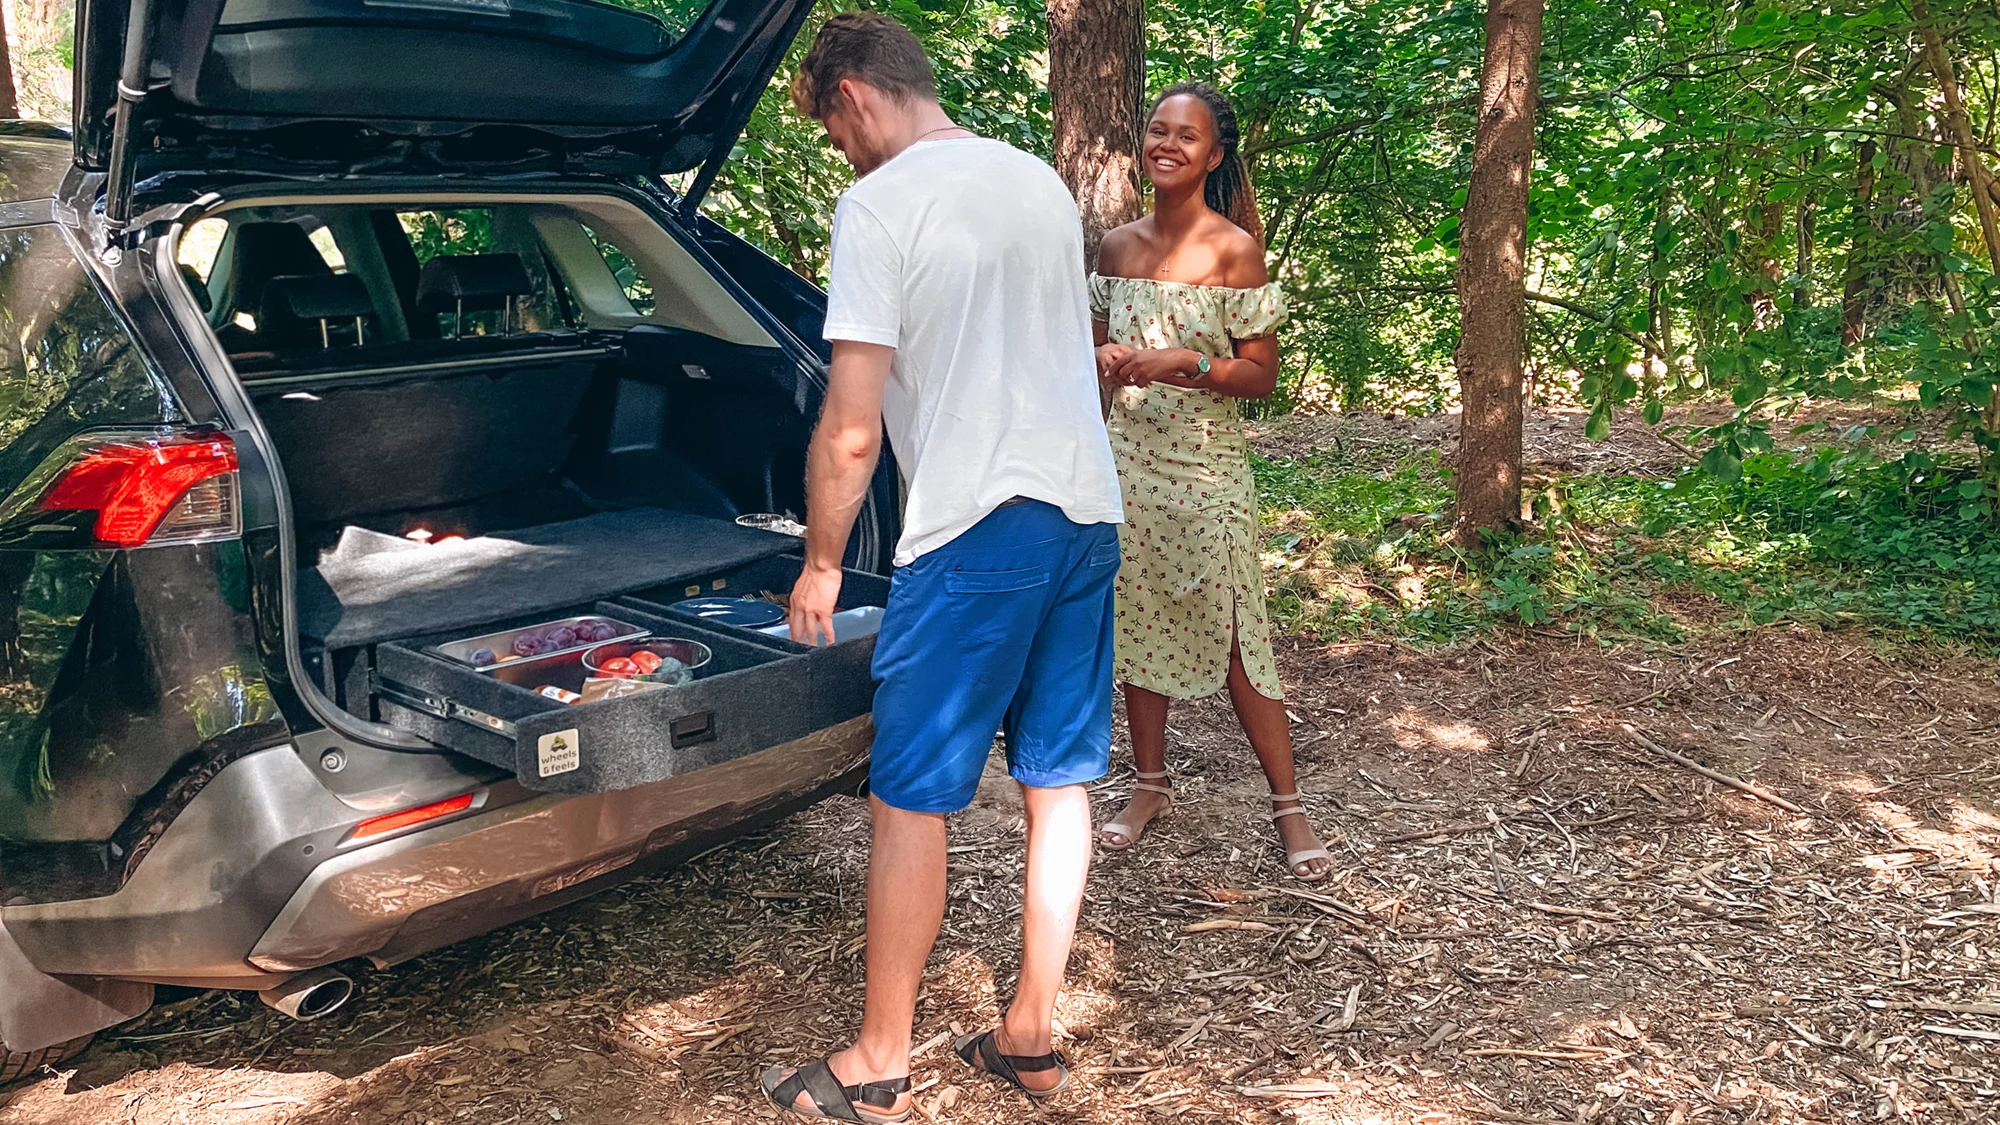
(940, 129)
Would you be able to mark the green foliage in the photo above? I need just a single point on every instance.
(1826, 538)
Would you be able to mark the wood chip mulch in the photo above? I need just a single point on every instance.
(1538, 916)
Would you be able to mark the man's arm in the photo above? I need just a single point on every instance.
(840, 465)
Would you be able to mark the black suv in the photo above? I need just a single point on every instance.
(361, 379)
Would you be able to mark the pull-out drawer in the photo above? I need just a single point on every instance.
(757, 692)
(845, 685)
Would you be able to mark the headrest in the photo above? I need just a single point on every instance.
(471, 282)
(340, 296)
(265, 250)
(196, 287)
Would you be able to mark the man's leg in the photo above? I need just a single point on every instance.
(905, 908)
(1058, 862)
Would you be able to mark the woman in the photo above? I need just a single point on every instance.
(1185, 314)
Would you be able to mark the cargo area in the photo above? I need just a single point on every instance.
(521, 418)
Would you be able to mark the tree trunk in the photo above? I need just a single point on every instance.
(1491, 279)
(10, 106)
(1097, 90)
(1961, 127)
(1860, 240)
(1808, 223)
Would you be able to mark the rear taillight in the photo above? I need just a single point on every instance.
(152, 490)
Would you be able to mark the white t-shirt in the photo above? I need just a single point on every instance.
(966, 256)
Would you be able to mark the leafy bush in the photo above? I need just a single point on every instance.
(1827, 538)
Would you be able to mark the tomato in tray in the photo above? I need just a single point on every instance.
(647, 662)
(620, 666)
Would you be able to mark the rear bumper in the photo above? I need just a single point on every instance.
(396, 900)
(225, 899)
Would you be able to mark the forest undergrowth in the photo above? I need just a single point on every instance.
(1859, 527)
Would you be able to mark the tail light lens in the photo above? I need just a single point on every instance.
(152, 490)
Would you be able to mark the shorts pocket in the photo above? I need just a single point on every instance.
(994, 581)
(1104, 554)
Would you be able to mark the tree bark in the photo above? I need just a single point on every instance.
(1097, 90)
(10, 105)
(1860, 244)
(1492, 283)
(1961, 127)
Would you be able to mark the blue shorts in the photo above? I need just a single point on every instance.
(1006, 628)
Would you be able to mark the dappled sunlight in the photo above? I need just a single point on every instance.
(1970, 837)
(1415, 730)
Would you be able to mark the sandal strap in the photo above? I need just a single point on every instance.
(817, 1081)
(1303, 854)
(1280, 814)
(1151, 776)
(1276, 797)
(882, 1093)
(1153, 788)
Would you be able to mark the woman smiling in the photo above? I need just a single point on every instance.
(1186, 316)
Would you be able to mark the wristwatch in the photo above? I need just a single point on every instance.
(1201, 366)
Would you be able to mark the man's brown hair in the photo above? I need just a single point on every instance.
(868, 46)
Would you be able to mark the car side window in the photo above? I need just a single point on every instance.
(67, 363)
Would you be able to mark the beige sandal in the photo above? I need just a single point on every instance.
(1293, 859)
(1131, 834)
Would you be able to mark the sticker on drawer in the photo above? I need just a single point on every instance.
(558, 753)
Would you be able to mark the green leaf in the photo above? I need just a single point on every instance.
(1598, 427)
(1971, 489)
(1655, 411)
(1723, 465)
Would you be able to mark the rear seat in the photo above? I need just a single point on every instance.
(431, 441)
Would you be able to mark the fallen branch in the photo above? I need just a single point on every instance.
(1963, 1032)
(1575, 912)
(1736, 783)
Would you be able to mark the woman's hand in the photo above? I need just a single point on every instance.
(1144, 368)
(1109, 356)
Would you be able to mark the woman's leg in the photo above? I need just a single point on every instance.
(1265, 724)
(1146, 719)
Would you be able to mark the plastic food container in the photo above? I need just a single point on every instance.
(692, 655)
(501, 646)
(744, 613)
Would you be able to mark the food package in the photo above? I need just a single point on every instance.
(596, 689)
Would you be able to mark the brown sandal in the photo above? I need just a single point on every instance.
(867, 1102)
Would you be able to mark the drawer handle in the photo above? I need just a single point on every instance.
(691, 730)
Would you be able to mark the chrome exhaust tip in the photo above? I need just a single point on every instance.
(311, 994)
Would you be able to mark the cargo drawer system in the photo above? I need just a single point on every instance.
(755, 691)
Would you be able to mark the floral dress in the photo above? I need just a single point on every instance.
(1191, 584)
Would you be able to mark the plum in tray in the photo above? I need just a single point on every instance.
(481, 657)
(530, 644)
(562, 636)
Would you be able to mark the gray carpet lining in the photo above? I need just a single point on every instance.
(374, 587)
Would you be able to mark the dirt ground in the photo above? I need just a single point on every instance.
(1538, 916)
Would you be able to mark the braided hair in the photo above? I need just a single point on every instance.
(1227, 189)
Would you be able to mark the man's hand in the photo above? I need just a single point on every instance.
(840, 463)
(815, 596)
(1143, 368)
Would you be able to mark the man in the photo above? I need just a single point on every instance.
(960, 321)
